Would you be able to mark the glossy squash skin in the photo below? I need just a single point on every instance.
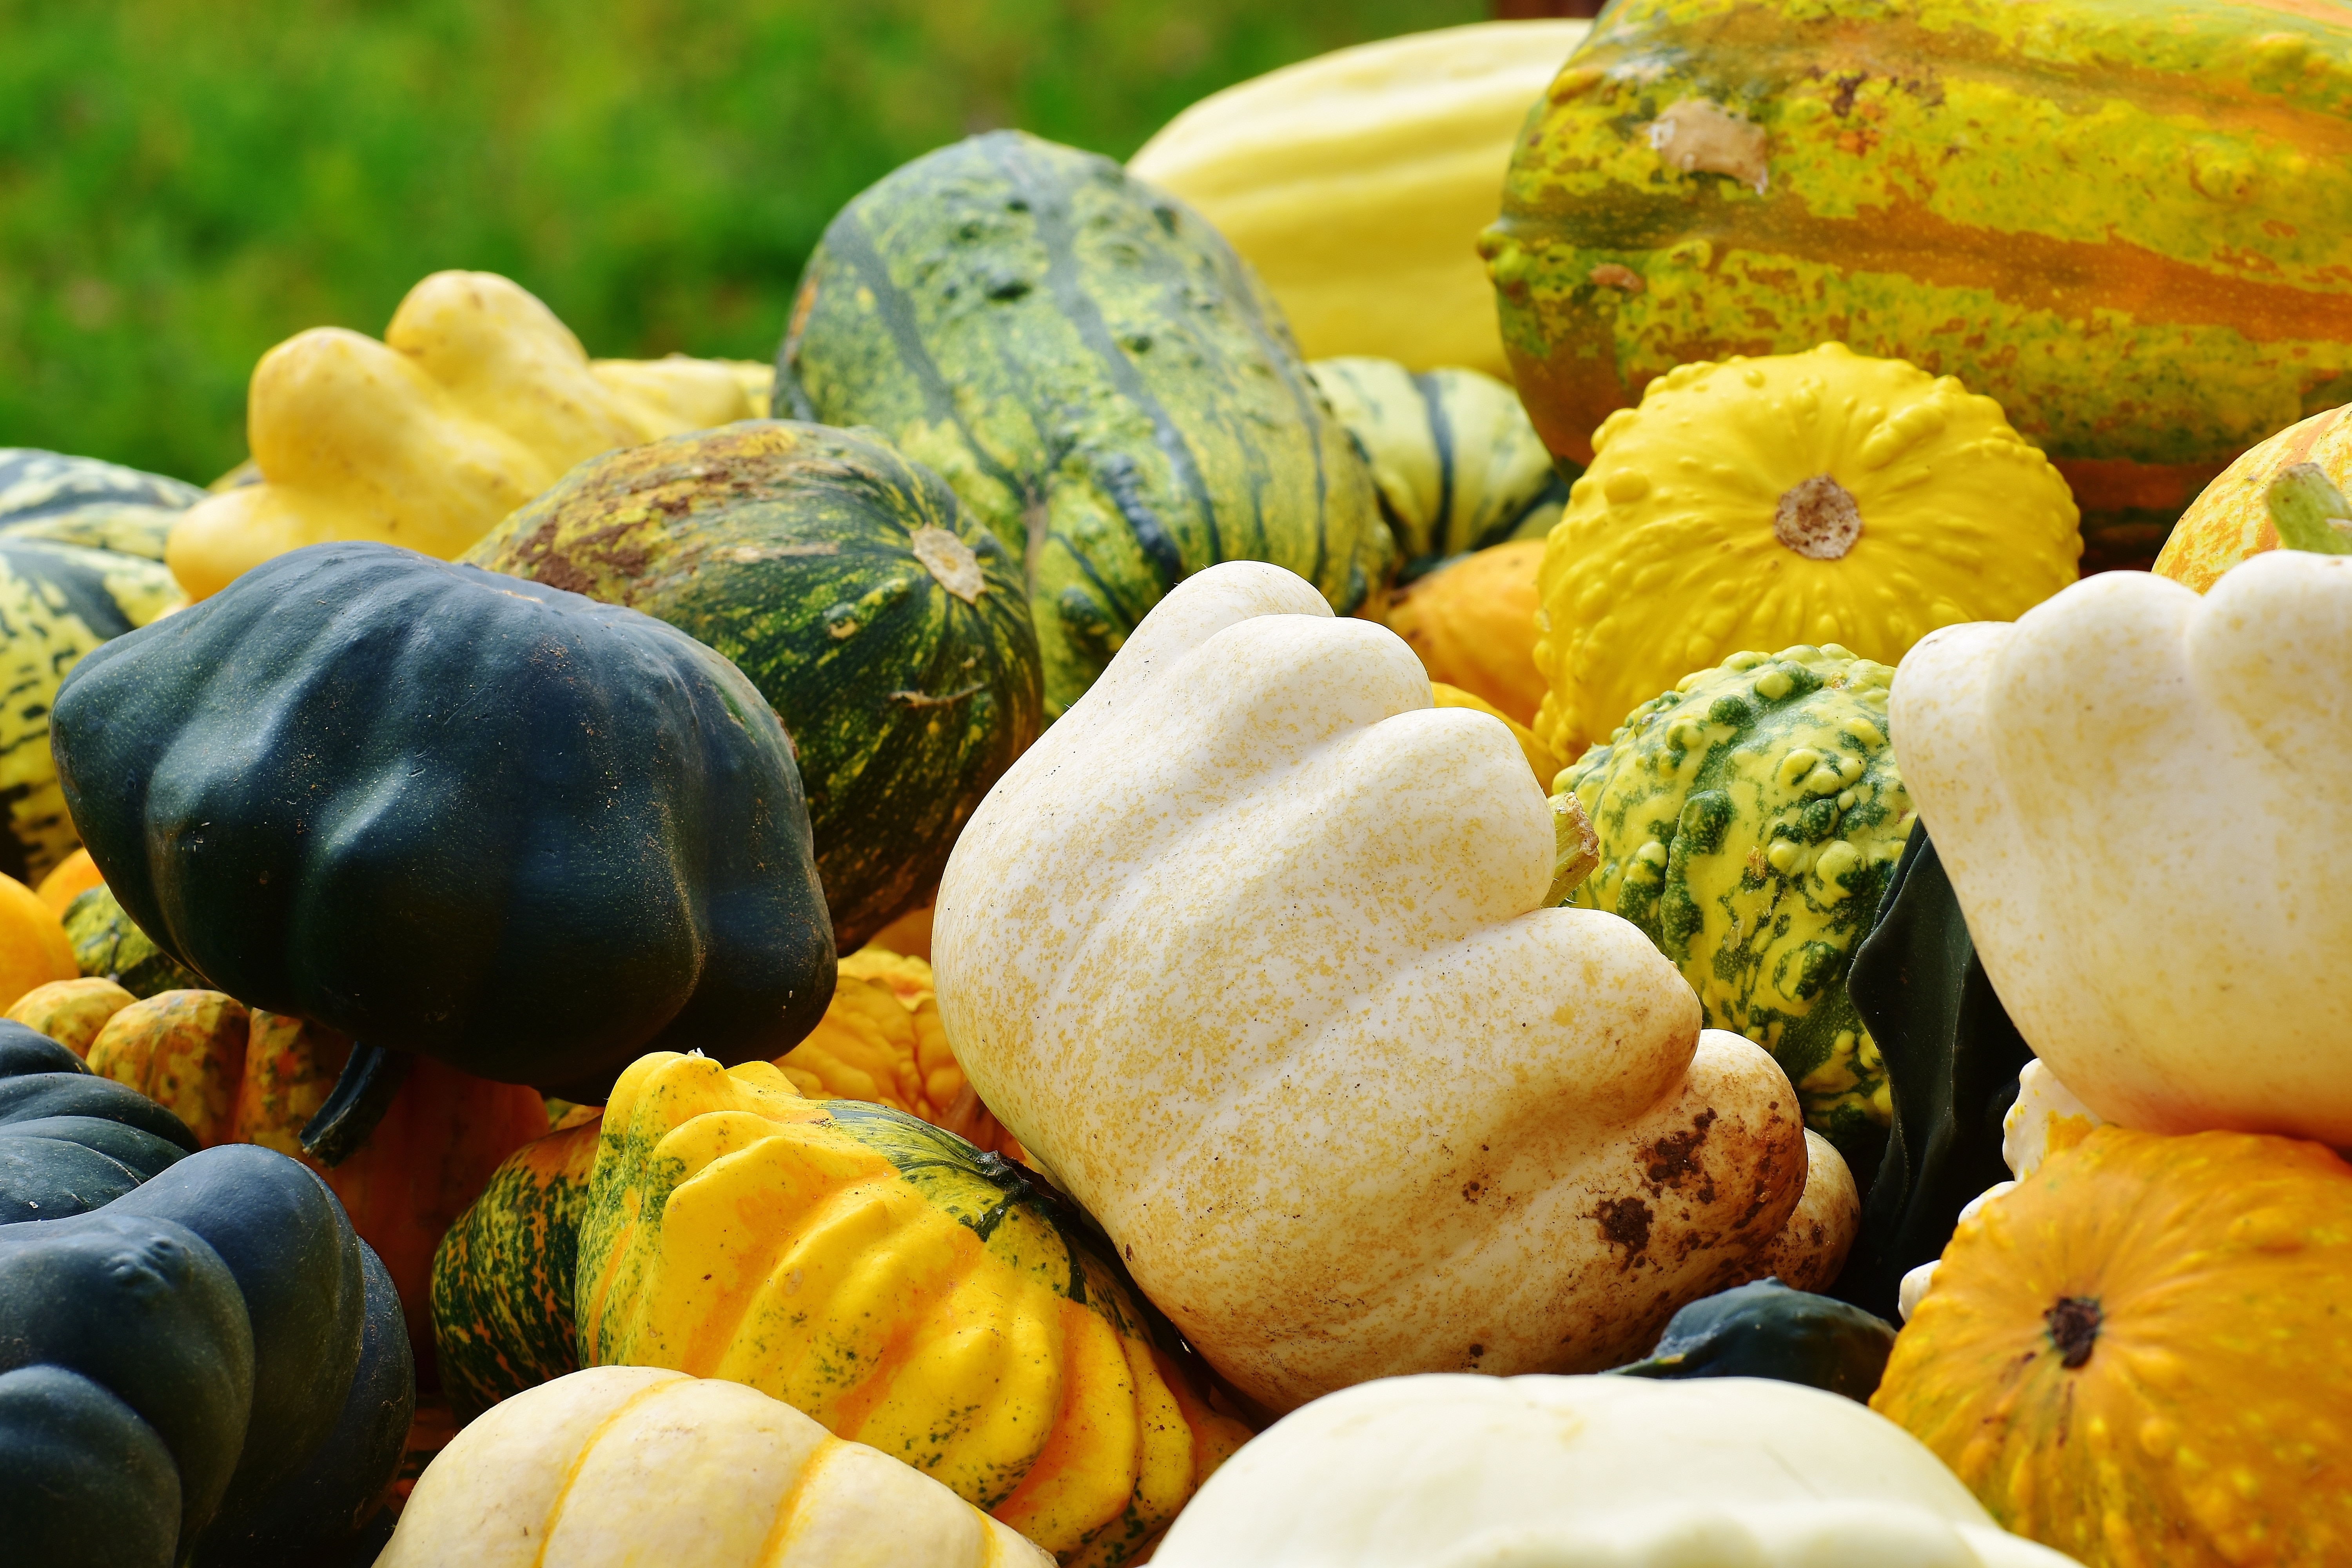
(887, 628)
(1087, 362)
(2136, 235)
(2139, 1354)
(1766, 1330)
(70, 1141)
(907, 1290)
(584, 832)
(108, 945)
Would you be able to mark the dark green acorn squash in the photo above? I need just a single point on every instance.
(107, 945)
(456, 814)
(1766, 1330)
(888, 629)
(1096, 373)
(88, 502)
(70, 1141)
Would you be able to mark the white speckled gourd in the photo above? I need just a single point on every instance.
(1534, 1472)
(1248, 952)
(2144, 800)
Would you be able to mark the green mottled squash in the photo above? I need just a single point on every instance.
(502, 1278)
(90, 502)
(1766, 1330)
(108, 945)
(887, 628)
(1107, 387)
(1455, 462)
(2131, 226)
(1748, 821)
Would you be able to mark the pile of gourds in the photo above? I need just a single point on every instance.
(1107, 943)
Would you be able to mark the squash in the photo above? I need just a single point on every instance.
(477, 399)
(71, 1012)
(889, 631)
(1749, 819)
(547, 834)
(1356, 184)
(67, 880)
(1486, 1472)
(90, 502)
(2283, 493)
(70, 1141)
(1473, 623)
(1456, 464)
(643, 1466)
(1816, 498)
(2133, 238)
(2136, 1356)
(901, 1287)
(34, 947)
(1538, 755)
(1764, 1329)
(108, 945)
(1317, 967)
(183, 1355)
(185, 1051)
(2126, 742)
(1097, 375)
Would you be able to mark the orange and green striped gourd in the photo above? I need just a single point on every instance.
(2129, 225)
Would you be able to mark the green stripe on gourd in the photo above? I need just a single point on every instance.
(108, 945)
(1097, 375)
(90, 502)
(1748, 821)
(1455, 459)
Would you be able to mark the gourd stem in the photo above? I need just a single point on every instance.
(358, 1101)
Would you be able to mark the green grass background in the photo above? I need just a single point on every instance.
(184, 183)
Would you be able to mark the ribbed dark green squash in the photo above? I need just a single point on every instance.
(887, 628)
(88, 502)
(1096, 373)
(502, 1278)
(70, 1141)
(454, 814)
(1766, 1330)
(108, 944)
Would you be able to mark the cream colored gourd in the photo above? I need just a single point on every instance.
(641, 1465)
(1551, 1472)
(2144, 800)
(1248, 952)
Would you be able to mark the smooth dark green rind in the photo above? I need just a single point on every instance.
(452, 812)
(71, 1141)
(1096, 373)
(83, 1480)
(792, 548)
(502, 1277)
(1766, 1330)
(108, 945)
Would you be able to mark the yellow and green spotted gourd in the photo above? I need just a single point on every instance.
(1749, 822)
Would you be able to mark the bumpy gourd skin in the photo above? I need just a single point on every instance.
(2134, 231)
(889, 1279)
(1748, 821)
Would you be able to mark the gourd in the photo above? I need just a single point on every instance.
(2056, 761)
(2132, 237)
(650, 1466)
(1484, 1472)
(549, 833)
(904, 1289)
(88, 502)
(889, 631)
(1749, 820)
(34, 947)
(1317, 965)
(477, 399)
(67, 880)
(1538, 755)
(1355, 183)
(71, 1012)
(2133, 1356)
(2286, 493)
(70, 1141)
(1456, 464)
(1764, 1329)
(1816, 498)
(1094, 370)
(1473, 623)
(108, 945)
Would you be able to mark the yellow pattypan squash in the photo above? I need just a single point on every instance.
(1250, 951)
(1801, 499)
(904, 1289)
(477, 400)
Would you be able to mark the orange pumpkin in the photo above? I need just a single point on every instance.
(2142, 1356)
(2231, 518)
(75, 875)
(1473, 625)
(34, 947)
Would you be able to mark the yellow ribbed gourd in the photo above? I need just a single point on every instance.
(1812, 499)
(477, 399)
(1357, 184)
(637, 1466)
(903, 1289)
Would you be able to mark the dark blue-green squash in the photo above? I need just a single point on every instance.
(453, 814)
(1766, 1330)
(70, 1141)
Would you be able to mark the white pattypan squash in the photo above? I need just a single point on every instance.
(1247, 952)
(2144, 800)
(1588, 1472)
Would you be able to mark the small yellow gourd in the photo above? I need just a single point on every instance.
(1812, 499)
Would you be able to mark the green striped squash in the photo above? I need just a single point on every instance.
(1456, 462)
(1748, 821)
(87, 502)
(502, 1278)
(886, 626)
(1096, 373)
(108, 945)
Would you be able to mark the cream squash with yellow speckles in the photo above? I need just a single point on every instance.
(2141, 797)
(1248, 952)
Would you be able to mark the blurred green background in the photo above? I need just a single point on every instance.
(182, 184)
